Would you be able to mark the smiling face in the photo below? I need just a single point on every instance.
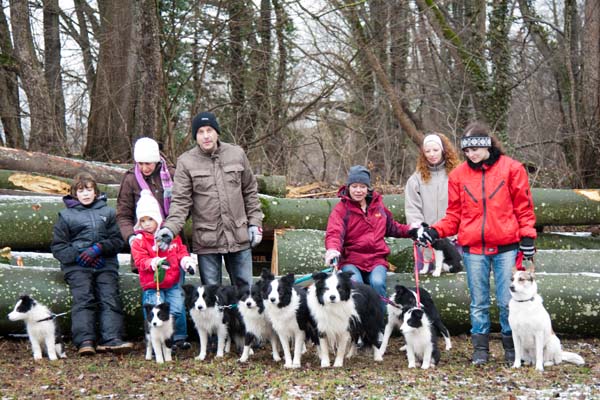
(433, 153)
(477, 154)
(358, 192)
(207, 138)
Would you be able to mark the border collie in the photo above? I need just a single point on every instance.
(287, 309)
(206, 304)
(158, 328)
(447, 257)
(344, 311)
(421, 339)
(406, 299)
(535, 341)
(42, 329)
(258, 326)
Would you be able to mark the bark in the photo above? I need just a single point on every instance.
(10, 111)
(20, 160)
(31, 219)
(52, 58)
(45, 133)
(575, 310)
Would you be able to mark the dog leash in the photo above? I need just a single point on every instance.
(389, 301)
(309, 276)
(53, 316)
(415, 251)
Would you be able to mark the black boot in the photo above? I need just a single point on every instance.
(509, 349)
(481, 348)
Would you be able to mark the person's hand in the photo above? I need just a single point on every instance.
(130, 240)
(527, 247)
(163, 238)
(426, 236)
(159, 262)
(254, 235)
(189, 264)
(98, 263)
(331, 256)
(86, 257)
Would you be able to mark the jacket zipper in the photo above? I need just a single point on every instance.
(496, 190)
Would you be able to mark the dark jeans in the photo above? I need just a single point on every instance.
(95, 291)
(238, 265)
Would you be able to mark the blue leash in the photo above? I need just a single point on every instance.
(309, 276)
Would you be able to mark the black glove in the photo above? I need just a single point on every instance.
(414, 233)
(427, 236)
(190, 270)
(527, 247)
(163, 237)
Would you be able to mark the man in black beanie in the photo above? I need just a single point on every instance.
(214, 184)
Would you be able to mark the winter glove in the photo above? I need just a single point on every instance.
(159, 262)
(255, 235)
(527, 247)
(98, 263)
(332, 256)
(87, 256)
(130, 240)
(426, 235)
(189, 264)
(163, 238)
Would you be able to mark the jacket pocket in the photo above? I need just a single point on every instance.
(206, 234)
(233, 173)
(241, 231)
(203, 180)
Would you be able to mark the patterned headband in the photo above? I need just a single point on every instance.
(475, 141)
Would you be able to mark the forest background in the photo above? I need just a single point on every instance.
(307, 88)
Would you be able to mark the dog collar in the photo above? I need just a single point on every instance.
(524, 301)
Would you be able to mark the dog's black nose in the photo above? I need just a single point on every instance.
(272, 299)
(248, 304)
(332, 297)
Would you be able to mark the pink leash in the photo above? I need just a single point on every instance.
(415, 254)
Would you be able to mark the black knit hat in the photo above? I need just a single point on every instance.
(359, 174)
(204, 119)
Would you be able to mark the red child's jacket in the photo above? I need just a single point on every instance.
(144, 249)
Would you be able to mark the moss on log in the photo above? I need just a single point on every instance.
(573, 300)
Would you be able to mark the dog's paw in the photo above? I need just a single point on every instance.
(325, 364)
(243, 359)
(425, 366)
(436, 273)
(378, 357)
(338, 364)
(276, 358)
(411, 365)
(200, 357)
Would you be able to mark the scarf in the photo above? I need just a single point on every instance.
(166, 182)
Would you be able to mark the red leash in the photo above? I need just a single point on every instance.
(415, 254)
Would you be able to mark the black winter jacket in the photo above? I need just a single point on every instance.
(79, 227)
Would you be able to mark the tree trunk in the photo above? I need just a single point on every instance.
(45, 133)
(10, 111)
(20, 160)
(575, 310)
(45, 184)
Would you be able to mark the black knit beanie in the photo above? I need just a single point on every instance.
(204, 119)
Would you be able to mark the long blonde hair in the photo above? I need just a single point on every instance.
(449, 154)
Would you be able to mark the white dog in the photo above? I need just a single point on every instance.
(535, 342)
(41, 327)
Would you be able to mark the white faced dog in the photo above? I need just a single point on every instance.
(535, 342)
(159, 331)
(41, 327)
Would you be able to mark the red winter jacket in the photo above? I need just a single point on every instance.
(359, 237)
(491, 209)
(143, 250)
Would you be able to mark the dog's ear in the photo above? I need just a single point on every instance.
(165, 307)
(319, 276)
(400, 289)
(148, 307)
(266, 275)
(417, 313)
(345, 275)
(288, 279)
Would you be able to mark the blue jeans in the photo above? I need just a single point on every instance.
(174, 296)
(377, 279)
(478, 278)
(238, 265)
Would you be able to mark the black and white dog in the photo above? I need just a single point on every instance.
(344, 312)
(405, 299)
(447, 257)
(158, 328)
(41, 327)
(212, 308)
(258, 326)
(535, 341)
(288, 312)
(420, 337)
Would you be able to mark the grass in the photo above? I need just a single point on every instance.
(107, 376)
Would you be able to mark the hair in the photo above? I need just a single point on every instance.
(449, 154)
(478, 128)
(83, 180)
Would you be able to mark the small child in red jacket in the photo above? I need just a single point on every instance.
(148, 257)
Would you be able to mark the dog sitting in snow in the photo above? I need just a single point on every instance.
(535, 341)
(158, 329)
(42, 328)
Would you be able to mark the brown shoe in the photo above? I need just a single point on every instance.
(116, 346)
(86, 348)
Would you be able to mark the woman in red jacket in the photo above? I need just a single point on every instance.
(491, 208)
(356, 230)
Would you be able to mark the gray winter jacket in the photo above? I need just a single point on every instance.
(426, 202)
(220, 193)
(79, 227)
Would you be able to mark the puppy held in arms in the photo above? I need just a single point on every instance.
(42, 328)
(535, 341)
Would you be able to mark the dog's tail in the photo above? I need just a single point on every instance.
(444, 332)
(572, 358)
